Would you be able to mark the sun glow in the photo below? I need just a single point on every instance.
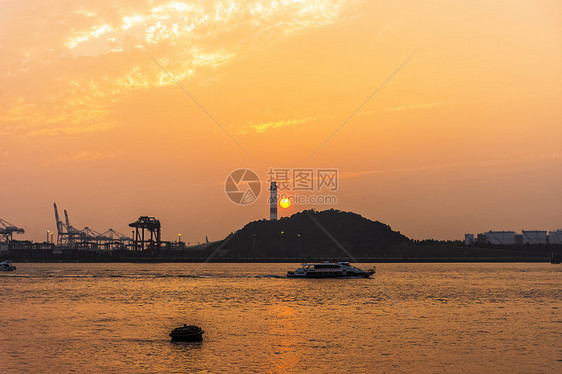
(285, 203)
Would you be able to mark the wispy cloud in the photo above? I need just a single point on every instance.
(356, 174)
(79, 63)
(267, 126)
(516, 159)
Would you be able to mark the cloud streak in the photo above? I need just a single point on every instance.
(87, 57)
(267, 126)
(517, 159)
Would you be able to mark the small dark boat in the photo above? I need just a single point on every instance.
(7, 266)
(187, 333)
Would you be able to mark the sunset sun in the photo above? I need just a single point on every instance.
(284, 203)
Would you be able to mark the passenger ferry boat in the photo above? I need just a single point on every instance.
(7, 266)
(330, 270)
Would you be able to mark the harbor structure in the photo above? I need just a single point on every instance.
(481, 239)
(7, 230)
(528, 237)
(534, 237)
(273, 201)
(6, 234)
(73, 244)
(153, 227)
(555, 237)
(86, 239)
(500, 237)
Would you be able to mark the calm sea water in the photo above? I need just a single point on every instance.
(115, 318)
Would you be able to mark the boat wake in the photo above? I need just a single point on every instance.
(144, 276)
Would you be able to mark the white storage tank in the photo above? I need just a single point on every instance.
(500, 237)
(534, 237)
(555, 237)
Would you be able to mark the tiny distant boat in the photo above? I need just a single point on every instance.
(187, 333)
(330, 270)
(7, 266)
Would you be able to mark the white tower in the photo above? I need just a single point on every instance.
(273, 201)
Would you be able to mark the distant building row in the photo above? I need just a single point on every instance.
(511, 238)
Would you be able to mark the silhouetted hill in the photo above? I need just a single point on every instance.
(319, 234)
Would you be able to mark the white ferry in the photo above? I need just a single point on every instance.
(7, 266)
(330, 270)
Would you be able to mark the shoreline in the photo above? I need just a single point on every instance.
(157, 260)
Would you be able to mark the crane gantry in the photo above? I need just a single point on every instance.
(7, 230)
(69, 236)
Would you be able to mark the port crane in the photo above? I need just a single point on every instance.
(7, 230)
(150, 224)
(69, 236)
(66, 234)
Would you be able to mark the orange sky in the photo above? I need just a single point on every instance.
(466, 137)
